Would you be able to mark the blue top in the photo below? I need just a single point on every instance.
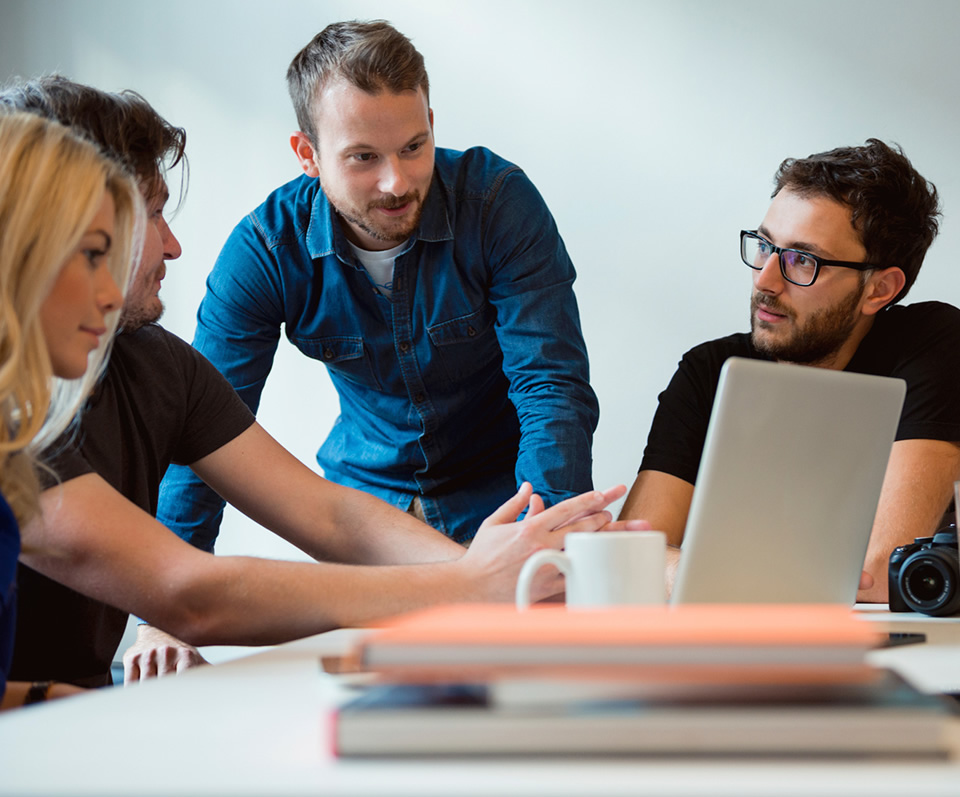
(470, 378)
(9, 551)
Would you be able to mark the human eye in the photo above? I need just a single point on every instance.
(95, 257)
(764, 248)
(363, 157)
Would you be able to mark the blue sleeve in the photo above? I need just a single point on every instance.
(238, 327)
(544, 354)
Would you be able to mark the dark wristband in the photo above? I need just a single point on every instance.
(38, 692)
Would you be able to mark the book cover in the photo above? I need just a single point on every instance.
(876, 719)
(476, 642)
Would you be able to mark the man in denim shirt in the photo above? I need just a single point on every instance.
(434, 286)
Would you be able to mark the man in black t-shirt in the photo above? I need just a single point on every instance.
(842, 241)
(97, 545)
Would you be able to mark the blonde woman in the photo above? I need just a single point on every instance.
(68, 225)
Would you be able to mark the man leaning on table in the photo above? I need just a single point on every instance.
(839, 247)
(97, 545)
(433, 285)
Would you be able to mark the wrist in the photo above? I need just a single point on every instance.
(39, 692)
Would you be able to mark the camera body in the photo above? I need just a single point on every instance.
(924, 576)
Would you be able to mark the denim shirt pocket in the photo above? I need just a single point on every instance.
(344, 356)
(467, 344)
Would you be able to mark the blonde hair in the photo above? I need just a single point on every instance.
(52, 183)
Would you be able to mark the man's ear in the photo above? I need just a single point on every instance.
(305, 153)
(882, 288)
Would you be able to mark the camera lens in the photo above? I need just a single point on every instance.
(928, 581)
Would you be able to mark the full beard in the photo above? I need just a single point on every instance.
(817, 341)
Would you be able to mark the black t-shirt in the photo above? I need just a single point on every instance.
(160, 401)
(919, 343)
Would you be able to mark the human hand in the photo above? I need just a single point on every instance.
(866, 580)
(503, 544)
(157, 653)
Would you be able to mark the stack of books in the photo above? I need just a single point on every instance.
(744, 680)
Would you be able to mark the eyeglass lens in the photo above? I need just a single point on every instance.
(798, 267)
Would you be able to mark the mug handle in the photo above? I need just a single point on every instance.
(545, 557)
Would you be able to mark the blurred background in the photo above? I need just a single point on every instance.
(652, 128)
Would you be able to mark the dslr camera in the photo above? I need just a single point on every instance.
(924, 576)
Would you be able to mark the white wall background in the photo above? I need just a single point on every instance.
(652, 128)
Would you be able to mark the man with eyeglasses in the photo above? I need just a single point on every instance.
(839, 247)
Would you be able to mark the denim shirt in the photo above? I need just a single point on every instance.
(470, 378)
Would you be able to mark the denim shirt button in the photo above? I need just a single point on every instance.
(418, 398)
(328, 354)
(404, 346)
(471, 332)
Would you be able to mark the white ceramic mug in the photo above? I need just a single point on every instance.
(604, 568)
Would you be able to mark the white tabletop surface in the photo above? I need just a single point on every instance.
(259, 725)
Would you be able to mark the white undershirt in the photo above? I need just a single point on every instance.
(379, 265)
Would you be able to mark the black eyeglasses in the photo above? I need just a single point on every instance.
(800, 268)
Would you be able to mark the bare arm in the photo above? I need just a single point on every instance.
(325, 520)
(92, 539)
(16, 693)
(916, 491)
(663, 500)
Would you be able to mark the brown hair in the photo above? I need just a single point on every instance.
(124, 125)
(894, 209)
(373, 56)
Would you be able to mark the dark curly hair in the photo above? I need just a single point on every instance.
(894, 209)
(124, 125)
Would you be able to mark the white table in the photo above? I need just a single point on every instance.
(259, 726)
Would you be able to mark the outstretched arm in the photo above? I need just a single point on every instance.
(325, 520)
(95, 541)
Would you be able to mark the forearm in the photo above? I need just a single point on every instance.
(367, 530)
(16, 693)
(325, 520)
(917, 490)
(255, 602)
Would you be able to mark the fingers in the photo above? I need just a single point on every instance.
(508, 511)
(131, 670)
(536, 505)
(628, 525)
(866, 580)
(579, 507)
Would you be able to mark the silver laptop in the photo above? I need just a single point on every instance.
(788, 485)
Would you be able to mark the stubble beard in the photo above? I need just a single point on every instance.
(136, 317)
(817, 341)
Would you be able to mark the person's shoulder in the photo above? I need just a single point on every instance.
(286, 209)
(922, 317)
(477, 167)
(720, 349)
(152, 342)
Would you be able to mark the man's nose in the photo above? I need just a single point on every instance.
(171, 246)
(769, 279)
(393, 179)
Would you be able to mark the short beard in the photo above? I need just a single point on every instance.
(818, 340)
(135, 318)
(397, 237)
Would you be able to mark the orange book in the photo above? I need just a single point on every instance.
(689, 643)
